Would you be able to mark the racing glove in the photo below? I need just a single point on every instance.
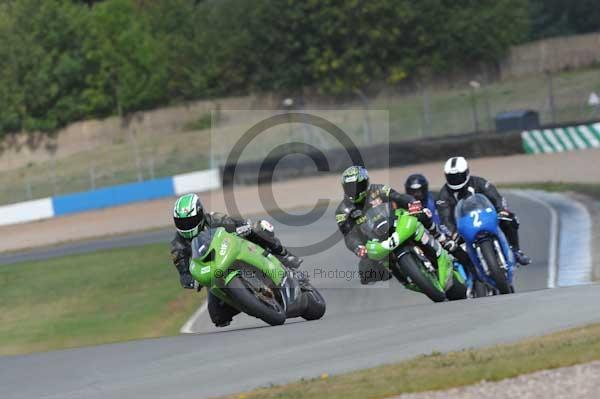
(450, 245)
(187, 281)
(448, 240)
(505, 215)
(415, 207)
(361, 251)
(244, 230)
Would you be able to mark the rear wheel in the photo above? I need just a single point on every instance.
(496, 272)
(420, 277)
(316, 305)
(258, 302)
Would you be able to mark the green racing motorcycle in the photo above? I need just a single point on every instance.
(252, 280)
(392, 241)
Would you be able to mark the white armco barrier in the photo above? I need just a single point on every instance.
(205, 180)
(26, 211)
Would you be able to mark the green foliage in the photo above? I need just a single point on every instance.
(65, 60)
(174, 25)
(563, 17)
(339, 46)
(128, 68)
(41, 63)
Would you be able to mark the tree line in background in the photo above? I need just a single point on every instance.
(67, 60)
(551, 18)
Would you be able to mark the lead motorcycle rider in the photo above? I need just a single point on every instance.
(190, 219)
(360, 196)
(459, 185)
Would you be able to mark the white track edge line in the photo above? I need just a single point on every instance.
(553, 250)
(187, 327)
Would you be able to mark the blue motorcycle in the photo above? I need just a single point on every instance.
(477, 222)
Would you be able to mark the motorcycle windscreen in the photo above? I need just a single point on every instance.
(379, 222)
(202, 256)
(475, 215)
(201, 244)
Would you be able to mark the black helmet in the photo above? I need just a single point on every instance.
(417, 186)
(355, 181)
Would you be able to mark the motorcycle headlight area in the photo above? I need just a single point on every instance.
(392, 242)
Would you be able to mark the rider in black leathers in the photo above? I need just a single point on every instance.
(360, 196)
(459, 185)
(260, 233)
(418, 186)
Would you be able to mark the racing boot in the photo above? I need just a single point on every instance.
(220, 313)
(521, 258)
(221, 324)
(303, 280)
(291, 261)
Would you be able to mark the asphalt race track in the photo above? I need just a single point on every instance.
(363, 327)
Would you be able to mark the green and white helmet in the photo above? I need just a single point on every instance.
(188, 215)
(355, 181)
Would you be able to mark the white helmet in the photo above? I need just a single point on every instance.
(457, 172)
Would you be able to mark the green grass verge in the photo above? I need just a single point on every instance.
(443, 371)
(107, 296)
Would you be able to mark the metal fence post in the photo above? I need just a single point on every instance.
(92, 175)
(474, 87)
(151, 166)
(136, 153)
(486, 104)
(367, 131)
(54, 177)
(426, 111)
(214, 119)
(309, 133)
(28, 189)
(551, 96)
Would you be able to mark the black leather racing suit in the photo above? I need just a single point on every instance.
(477, 185)
(181, 251)
(349, 225)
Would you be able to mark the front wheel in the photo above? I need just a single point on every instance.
(420, 277)
(458, 290)
(496, 272)
(256, 303)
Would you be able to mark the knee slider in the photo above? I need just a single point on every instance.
(266, 226)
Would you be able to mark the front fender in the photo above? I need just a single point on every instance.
(445, 270)
(380, 250)
(202, 272)
(230, 277)
(407, 226)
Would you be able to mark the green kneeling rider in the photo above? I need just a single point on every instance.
(190, 219)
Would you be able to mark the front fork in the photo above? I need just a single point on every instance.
(499, 253)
